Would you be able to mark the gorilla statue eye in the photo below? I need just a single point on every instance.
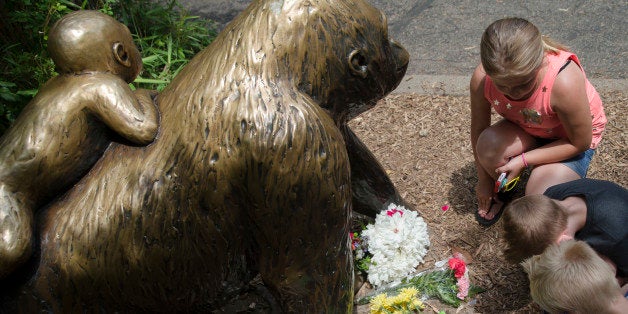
(358, 60)
(358, 64)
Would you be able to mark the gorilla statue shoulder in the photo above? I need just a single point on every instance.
(253, 171)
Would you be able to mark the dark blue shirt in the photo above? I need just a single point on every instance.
(606, 227)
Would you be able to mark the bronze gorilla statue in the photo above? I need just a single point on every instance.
(253, 171)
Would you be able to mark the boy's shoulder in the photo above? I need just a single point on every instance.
(585, 186)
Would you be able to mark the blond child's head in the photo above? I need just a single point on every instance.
(512, 49)
(571, 277)
(531, 224)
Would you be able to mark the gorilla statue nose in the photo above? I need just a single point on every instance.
(401, 57)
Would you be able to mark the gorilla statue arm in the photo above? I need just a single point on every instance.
(372, 188)
(300, 178)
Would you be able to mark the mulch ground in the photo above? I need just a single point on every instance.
(423, 143)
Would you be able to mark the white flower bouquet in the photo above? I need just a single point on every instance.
(390, 249)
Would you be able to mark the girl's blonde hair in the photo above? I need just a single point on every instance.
(514, 47)
(571, 277)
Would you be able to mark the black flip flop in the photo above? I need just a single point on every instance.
(505, 197)
(486, 222)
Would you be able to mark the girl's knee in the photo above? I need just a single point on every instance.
(491, 147)
(487, 143)
(501, 141)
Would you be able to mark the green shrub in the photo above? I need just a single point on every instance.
(166, 36)
(163, 31)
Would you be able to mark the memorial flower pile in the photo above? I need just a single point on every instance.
(393, 246)
(451, 285)
(388, 252)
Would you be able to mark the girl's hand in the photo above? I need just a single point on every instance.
(513, 167)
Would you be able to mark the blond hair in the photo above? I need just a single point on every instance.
(514, 47)
(570, 277)
(531, 224)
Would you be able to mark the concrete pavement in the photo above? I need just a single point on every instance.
(443, 36)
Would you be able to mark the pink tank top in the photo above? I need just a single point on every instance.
(535, 114)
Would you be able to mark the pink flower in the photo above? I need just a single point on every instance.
(355, 240)
(459, 256)
(445, 207)
(458, 266)
(463, 287)
(393, 211)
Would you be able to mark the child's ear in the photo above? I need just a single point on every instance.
(121, 55)
(564, 237)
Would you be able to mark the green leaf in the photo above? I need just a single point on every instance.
(28, 92)
(448, 296)
(149, 59)
(150, 81)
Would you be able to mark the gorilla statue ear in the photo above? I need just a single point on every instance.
(119, 52)
(358, 64)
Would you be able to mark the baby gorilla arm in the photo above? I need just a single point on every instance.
(133, 115)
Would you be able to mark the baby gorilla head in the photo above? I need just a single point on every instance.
(84, 41)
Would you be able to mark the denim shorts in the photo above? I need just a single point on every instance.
(580, 163)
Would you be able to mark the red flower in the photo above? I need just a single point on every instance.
(355, 240)
(458, 266)
(393, 211)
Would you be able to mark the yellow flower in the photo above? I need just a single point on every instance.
(378, 303)
(409, 293)
(399, 299)
(418, 304)
(406, 301)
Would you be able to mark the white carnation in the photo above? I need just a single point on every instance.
(398, 241)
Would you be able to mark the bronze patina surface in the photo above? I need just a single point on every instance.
(63, 131)
(253, 170)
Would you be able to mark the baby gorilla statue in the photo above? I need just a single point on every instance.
(65, 129)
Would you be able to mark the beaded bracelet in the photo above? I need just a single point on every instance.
(523, 157)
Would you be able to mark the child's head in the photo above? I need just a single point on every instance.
(531, 224)
(85, 40)
(511, 47)
(571, 277)
(512, 52)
